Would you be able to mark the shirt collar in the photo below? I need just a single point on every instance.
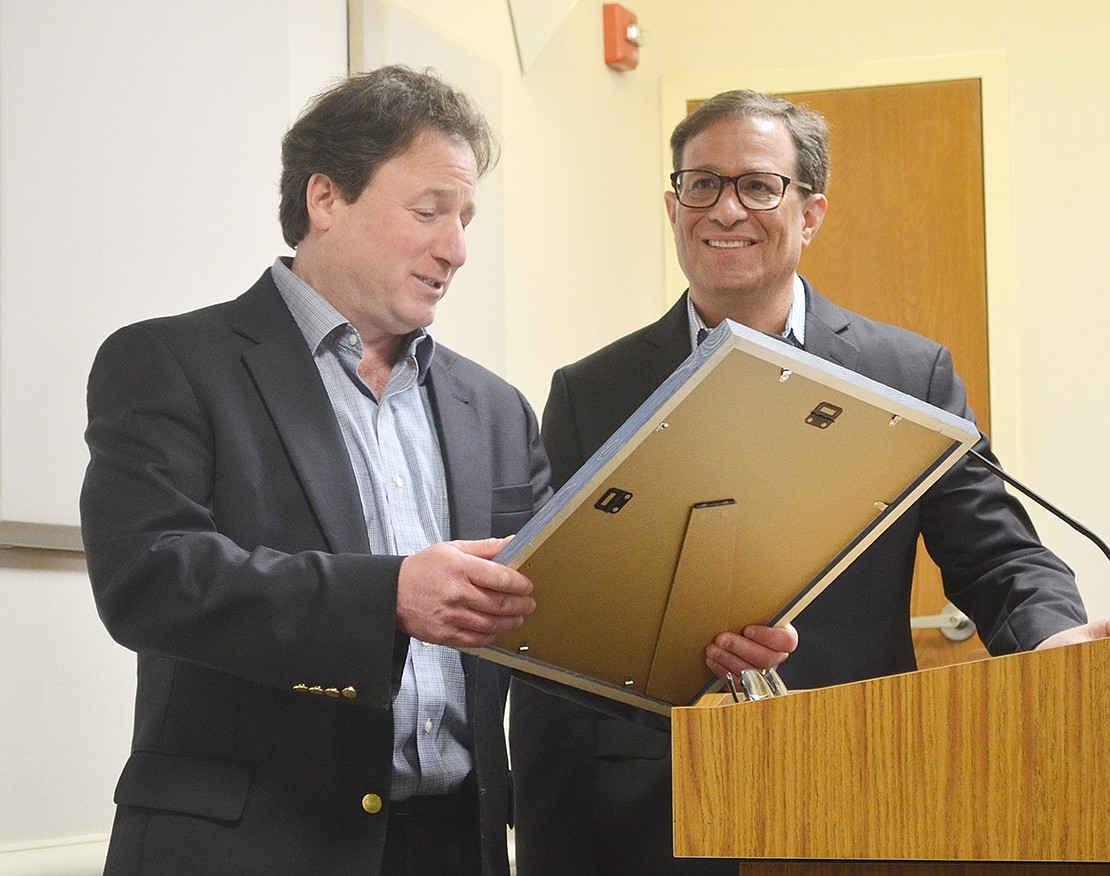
(320, 322)
(795, 319)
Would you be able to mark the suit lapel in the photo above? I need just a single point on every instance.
(827, 330)
(464, 441)
(670, 338)
(290, 386)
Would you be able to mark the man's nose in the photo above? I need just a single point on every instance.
(451, 245)
(728, 205)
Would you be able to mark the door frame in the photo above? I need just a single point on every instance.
(991, 68)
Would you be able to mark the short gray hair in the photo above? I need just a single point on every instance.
(808, 128)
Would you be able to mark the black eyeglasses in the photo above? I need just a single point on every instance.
(756, 191)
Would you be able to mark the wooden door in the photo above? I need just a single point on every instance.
(903, 242)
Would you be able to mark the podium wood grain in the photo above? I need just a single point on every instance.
(995, 760)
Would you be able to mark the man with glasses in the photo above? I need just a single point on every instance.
(593, 790)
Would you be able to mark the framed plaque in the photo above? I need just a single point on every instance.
(734, 495)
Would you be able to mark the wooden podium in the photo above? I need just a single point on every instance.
(999, 760)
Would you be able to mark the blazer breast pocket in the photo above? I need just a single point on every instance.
(510, 509)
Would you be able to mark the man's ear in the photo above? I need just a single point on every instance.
(670, 201)
(321, 197)
(813, 214)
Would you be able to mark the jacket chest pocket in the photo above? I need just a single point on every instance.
(510, 509)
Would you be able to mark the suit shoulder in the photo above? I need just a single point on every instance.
(892, 355)
(215, 317)
(195, 331)
(897, 338)
(875, 338)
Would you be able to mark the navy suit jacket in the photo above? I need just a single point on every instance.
(226, 546)
(994, 568)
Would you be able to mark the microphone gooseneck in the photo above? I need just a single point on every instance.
(1044, 503)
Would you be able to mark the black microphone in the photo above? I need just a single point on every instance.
(1044, 503)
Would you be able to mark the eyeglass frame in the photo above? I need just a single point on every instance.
(735, 181)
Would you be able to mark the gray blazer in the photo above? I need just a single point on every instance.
(578, 772)
(225, 544)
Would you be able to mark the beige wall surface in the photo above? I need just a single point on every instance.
(583, 175)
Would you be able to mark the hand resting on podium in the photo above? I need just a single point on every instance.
(1089, 632)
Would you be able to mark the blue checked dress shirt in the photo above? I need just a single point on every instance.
(395, 456)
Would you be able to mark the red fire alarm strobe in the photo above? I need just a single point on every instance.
(622, 37)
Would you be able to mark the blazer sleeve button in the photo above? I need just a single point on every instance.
(372, 803)
(350, 693)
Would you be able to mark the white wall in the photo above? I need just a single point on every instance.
(140, 159)
(66, 724)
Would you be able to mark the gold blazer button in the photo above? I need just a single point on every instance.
(350, 693)
(372, 803)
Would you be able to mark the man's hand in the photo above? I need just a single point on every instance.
(451, 594)
(1099, 629)
(754, 648)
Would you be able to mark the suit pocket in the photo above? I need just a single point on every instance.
(511, 508)
(180, 783)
